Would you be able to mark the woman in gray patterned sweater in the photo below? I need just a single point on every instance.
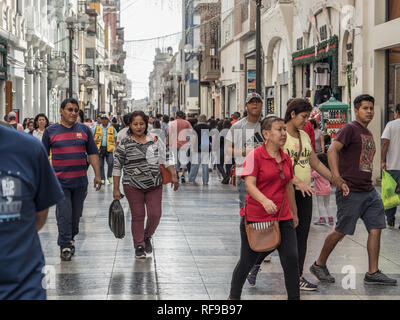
(139, 156)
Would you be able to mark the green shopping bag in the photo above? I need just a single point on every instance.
(389, 197)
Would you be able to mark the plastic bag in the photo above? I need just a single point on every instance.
(389, 197)
(116, 219)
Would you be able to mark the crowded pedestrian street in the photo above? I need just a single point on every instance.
(196, 247)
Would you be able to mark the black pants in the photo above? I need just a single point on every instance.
(109, 158)
(304, 211)
(224, 169)
(287, 254)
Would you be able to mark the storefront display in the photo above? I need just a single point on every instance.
(334, 116)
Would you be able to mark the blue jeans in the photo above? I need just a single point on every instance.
(68, 214)
(198, 159)
(108, 157)
(390, 213)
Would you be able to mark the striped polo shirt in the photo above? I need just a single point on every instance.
(68, 148)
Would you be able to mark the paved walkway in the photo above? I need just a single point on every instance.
(196, 248)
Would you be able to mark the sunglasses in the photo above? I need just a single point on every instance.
(76, 110)
(281, 174)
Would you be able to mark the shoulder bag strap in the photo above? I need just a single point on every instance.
(299, 154)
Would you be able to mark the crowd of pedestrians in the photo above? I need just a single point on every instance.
(278, 166)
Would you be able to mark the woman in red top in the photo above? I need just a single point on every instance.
(268, 174)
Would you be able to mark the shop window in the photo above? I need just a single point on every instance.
(393, 81)
(323, 32)
(300, 44)
(393, 9)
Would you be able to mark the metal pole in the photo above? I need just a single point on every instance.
(199, 57)
(258, 47)
(71, 38)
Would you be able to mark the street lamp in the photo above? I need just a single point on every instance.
(258, 46)
(198, 52)
(73, 24)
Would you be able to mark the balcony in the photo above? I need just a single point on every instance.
(210, 68)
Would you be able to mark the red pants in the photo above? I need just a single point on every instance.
(137, 199)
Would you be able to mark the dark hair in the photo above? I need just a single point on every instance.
(145, 118)
(171, 119)
(35, 122)
(397, 108)
(25, 122)
(363, 97)
(266, 124)
(165, 118)
(114, 120)
(180, 114)
(297, 105)
(323, 157)
(81, 115)
(29, 122)
(314, 123)
(126, 118)
(245, 113)
(226, 124)
(69, 100)
(213, 123)
(156, 124)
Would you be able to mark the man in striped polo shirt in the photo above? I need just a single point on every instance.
(68, 143)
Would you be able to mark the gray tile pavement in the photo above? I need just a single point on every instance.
(196, 248)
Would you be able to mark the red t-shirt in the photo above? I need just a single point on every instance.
(269, 182)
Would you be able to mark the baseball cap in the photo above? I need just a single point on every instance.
(103, 116)
(253, 95)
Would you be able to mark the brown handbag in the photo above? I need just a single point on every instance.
(264, 236)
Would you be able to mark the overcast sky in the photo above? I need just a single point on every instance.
(144, 19)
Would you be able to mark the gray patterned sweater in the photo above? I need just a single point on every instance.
(140, 163)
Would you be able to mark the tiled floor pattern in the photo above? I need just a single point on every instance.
(196, 248)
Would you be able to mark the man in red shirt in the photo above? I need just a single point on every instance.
(178, 132)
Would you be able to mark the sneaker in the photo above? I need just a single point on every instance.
(320, 221)
(205, 183)
(147, 245)
(103, 182)
(390, 225)
(321, 273)
(139, 253)
(225, 180)
(110, 180)
(307, 286)
(252, 277)
(331, 221)
(72, 247)
(379, 278)
(66, 254)
(183, 179)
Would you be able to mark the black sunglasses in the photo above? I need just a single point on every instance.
(281, 174)
(72, 110)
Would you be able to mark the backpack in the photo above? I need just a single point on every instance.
(205, 141)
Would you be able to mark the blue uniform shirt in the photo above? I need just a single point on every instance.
(27, 185)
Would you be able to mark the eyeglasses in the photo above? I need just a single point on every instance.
(281, 174)
(76, 110)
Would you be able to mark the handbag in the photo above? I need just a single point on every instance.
(263, 236)
(116, 219)
(166, 176)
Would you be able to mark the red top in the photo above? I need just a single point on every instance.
(310, 131)
(269, 182)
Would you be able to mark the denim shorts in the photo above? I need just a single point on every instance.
(365, 205)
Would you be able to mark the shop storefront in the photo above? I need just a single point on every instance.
(319, 71)
(393, 66)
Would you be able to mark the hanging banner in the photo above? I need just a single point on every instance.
(251, 80)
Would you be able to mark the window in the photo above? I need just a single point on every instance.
(323, 32)
(300, 44)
